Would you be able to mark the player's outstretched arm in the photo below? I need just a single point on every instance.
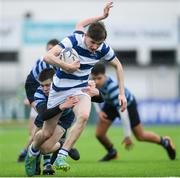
(120, 76)
(93, 92)
(127, 142)
(47, 114)
(82, 24)
(52, 57)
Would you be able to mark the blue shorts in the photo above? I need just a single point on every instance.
(31, 86)
(65, 120)
(113, 113)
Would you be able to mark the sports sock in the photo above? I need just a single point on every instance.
(61, 141)
(63, 152)
(33, 151)
(24, 152)
(47, 159)
(111, 149)
(164, 142)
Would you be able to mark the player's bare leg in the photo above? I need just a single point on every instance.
(101, 131)
(40, 137)
(148, 136)
(81, 111)
(31, 133)
(46, 132)
(52, 144)
(142, 135)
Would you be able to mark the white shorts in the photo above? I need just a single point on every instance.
(33, 113)
(55, 98)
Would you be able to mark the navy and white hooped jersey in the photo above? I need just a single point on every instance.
(39, 67)
(64, 81)
(40, 97)
(110, 93)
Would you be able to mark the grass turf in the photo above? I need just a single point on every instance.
(144, 160)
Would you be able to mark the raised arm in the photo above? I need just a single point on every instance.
(120, 76)
(82, 24)
(52, 57)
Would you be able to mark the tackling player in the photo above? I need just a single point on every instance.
(40, 101)
(31, 84)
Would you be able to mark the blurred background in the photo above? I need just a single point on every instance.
(144, 33)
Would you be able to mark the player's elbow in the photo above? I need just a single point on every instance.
(79, 26)
(46, 58)
(47, 134)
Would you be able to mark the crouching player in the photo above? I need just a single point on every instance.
(31, 85)
(52, 144)
(110, 111)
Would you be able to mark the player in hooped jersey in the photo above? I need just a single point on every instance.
(71, 78)
(32, 81)
(40, 100)
(110, 111)
(31, 84)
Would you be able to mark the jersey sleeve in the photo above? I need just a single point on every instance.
(40, 99)
(107, 53)
(113, 90)
(72, 40)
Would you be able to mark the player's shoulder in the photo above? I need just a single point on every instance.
(104, 48)
(78, 35)
(79, 32)
(39, 60)
(111, 81)
(39, 92)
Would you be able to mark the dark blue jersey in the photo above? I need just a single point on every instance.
(39, 67)
(110, 93)
(41, 102)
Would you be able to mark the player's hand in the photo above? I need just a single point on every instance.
(102, 116)
(107, 8)
(26, 102)
(92, 83)
(75, 65)
(91, 91)
(69, 103)
(127, 142)
(122, 102)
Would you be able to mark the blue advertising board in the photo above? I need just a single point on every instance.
(37, 33)
(159, 111)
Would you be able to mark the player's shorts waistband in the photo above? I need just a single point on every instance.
(57, 89)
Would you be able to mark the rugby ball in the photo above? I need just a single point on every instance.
(69, 55)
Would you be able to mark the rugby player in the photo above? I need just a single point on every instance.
(71, 78)
(111, 110)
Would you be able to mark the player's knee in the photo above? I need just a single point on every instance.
(47, 134)
(140, 137)
(83, 117)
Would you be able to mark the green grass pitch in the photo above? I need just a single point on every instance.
(144, 160)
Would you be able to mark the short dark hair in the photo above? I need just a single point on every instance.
(46, 74)
(53, 42)
(99, 68)
(97, 31)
